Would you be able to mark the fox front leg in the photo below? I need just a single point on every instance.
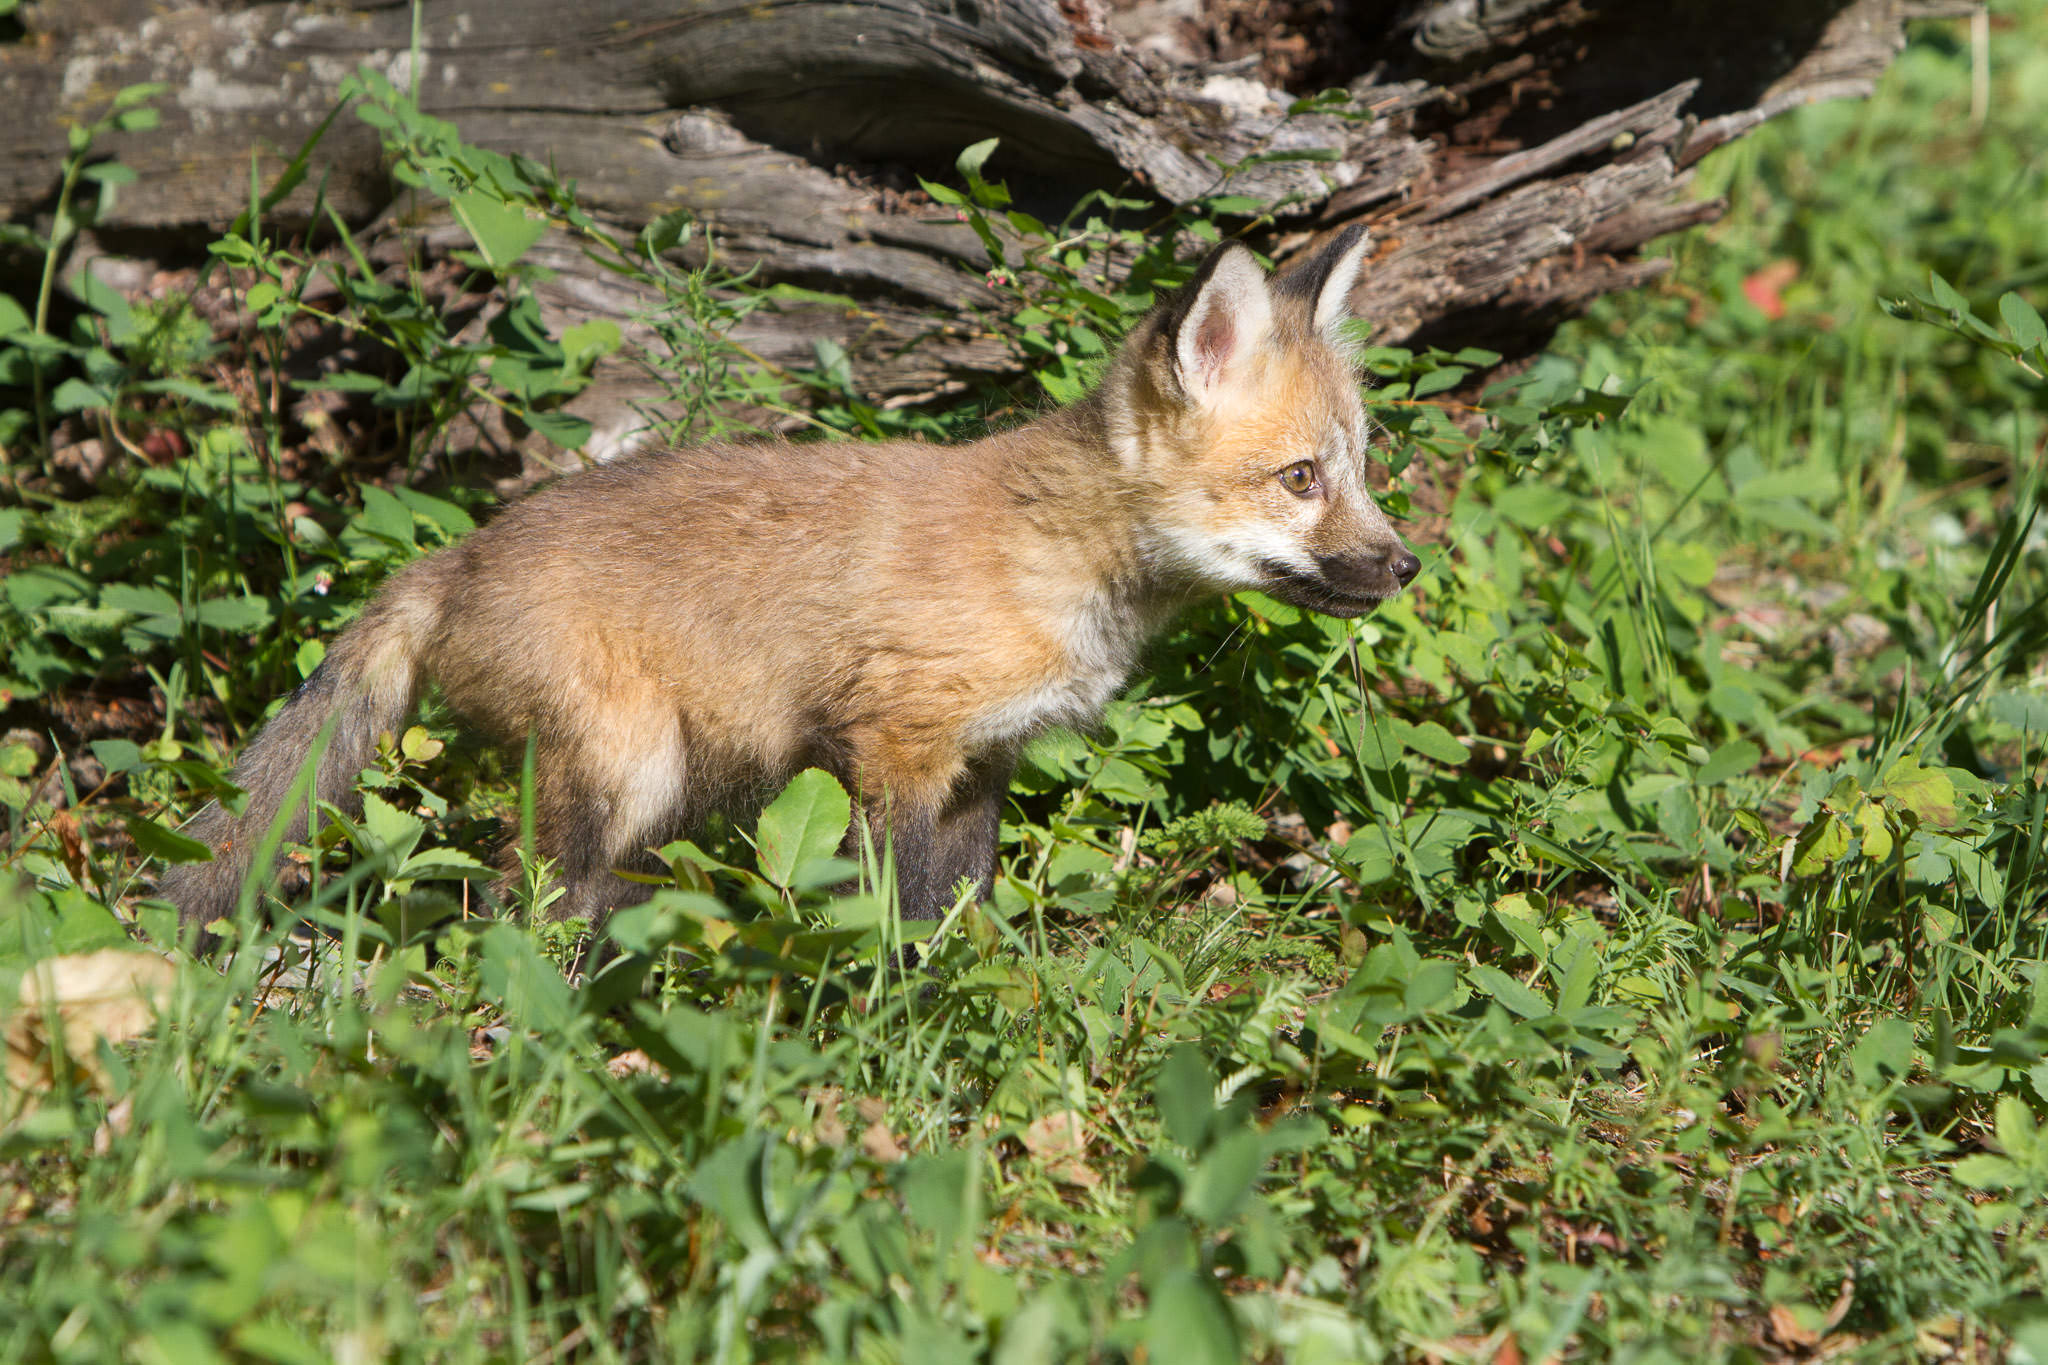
(938, 847)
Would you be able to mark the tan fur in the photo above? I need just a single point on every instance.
(683, 630)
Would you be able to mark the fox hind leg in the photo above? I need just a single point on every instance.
(598, 806)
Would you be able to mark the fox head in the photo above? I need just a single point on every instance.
(1238, 417)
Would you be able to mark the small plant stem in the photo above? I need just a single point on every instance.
(73, 165)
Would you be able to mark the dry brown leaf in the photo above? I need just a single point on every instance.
(70, 845)
(1844, 1297)
(636, 1063)
(1059, 1141)
(827, 1126)
(1786, 1327)
(112, 994)
(880, 1144)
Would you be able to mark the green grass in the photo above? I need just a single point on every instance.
(1631, 945)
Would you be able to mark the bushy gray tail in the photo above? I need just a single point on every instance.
(365, 687)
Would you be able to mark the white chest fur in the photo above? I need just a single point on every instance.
(1099, 649)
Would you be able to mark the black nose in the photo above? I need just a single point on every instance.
(1404, 566)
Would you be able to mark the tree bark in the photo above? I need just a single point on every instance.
(1519, 153)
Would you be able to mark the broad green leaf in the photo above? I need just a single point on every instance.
(439, 513)
(940, 1194)
(1819, 845)
(1730, 760)
(2023, 710)
(728, 1182)
(385, 516)
(1226, 1176)
(1264, 607)
(1927, 792)
(1884, 1053)
(971, 160)
(805, 823)
(117, 755)
(2019, 1134)
(1431, 740)
(1438, 380)
(502, 232)
(235, 615)
(1185, 1093)
(1190, 1324)
(2026, 324)
(172, 847)
(139, 599)
(1532, 505)
(564, 430)
(75, 395)
(1945, 295)
(1492, 981)
(1875, 833)
(1986, 1172)
(586, 341)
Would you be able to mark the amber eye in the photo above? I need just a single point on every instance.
(1299, 478)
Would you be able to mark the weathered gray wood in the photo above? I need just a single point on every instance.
(1522, 149)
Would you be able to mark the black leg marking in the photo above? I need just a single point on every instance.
(936, 850)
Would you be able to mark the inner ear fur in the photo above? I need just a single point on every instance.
(1324, 282)
(1222, 315)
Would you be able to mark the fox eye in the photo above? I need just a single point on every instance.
(1299, 478)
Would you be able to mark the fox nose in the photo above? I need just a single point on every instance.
(1404, 566)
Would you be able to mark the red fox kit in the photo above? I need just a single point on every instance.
(682, 631)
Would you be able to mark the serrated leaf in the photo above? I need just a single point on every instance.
(805, 823)
(391, 831)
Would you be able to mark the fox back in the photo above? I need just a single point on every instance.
(681, 631)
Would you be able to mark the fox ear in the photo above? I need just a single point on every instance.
(1325, 281)
(1228, 313)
